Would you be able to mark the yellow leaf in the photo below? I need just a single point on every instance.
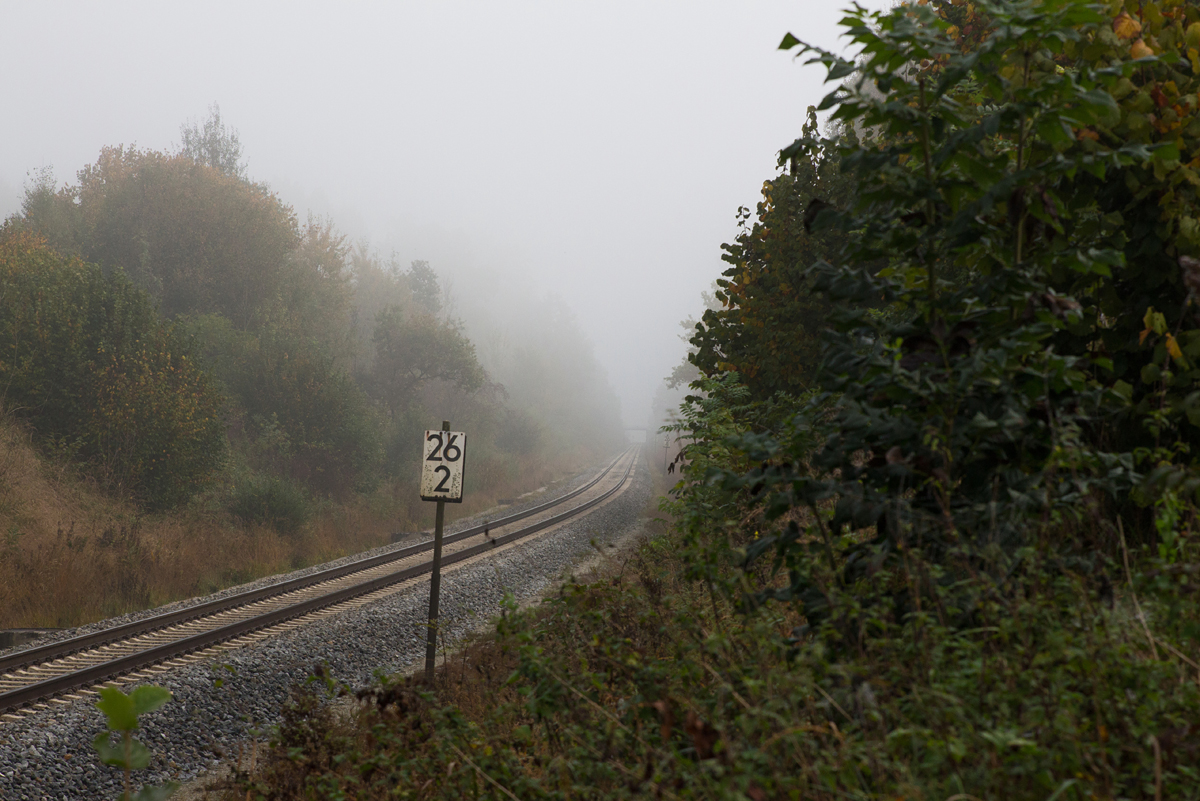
(1126, 26)
(1142, 336)
(1192, 35)
(1140, 49)
(1173, 348)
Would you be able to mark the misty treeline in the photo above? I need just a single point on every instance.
(174, 326)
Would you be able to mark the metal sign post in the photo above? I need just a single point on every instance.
(443, 464)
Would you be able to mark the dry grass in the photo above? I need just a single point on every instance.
(70, 554)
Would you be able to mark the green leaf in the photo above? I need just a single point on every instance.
(841, 70)
(139, 756)
(1166, 151)
(1064, 786)
(1054, 130)
(118, 708)
(109, 754)
(111, 750)
(788, 42)
(157, 793)
(148, 698)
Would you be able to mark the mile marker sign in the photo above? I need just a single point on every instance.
(442, 466)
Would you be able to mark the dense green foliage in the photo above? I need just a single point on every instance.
(198, 239)
(415, 348)
(769, 325)
(271, 501)
(87, 361)
(1006, 380)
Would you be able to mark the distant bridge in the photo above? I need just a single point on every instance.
(637, 434)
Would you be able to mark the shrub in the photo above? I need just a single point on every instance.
(643, 686)
(270, 501)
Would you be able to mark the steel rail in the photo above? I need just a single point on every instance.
(56, 650)
(30, 694)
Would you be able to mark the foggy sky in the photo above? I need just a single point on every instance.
(597, 151)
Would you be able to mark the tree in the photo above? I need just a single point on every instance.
(197, 239)
(974, 415)
(423, 282)
(768, 330)
(412, 349)
(686, 371)
(315, 290)
(100, 377)
(212, 144)
(51, 212)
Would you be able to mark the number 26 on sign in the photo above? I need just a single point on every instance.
(445, 456)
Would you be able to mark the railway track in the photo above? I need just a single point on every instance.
(62, 671)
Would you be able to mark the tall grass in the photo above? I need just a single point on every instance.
(71, 554)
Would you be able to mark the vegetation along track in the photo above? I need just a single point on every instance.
(33, 675)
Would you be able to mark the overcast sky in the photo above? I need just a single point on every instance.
(594, 150)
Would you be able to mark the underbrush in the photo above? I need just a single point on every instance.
(643, 684)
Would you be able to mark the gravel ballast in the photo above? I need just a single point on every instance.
(48, 755)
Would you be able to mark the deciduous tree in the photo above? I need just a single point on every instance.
(101, 378)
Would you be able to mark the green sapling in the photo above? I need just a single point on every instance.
(118, 748)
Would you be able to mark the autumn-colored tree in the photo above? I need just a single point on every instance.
(51, 212)
(199, 240)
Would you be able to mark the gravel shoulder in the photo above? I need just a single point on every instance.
(48, 755)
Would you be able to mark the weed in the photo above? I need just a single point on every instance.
(117, 746)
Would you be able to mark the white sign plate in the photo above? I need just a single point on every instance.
(445, 456)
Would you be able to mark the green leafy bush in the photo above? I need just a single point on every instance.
(270, 501)
(974, 416)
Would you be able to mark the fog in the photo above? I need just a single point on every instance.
(593, 152)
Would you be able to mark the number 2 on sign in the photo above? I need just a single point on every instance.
(444, 472)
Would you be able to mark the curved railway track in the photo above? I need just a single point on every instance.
(35, 675)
